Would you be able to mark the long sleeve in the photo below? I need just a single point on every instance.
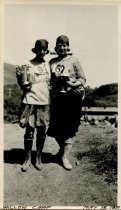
(19, 79)
(79, 71)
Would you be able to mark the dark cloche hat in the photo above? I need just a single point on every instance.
(62, 39)
(39, 44)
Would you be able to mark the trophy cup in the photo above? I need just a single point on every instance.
(25, 77)
(62, 76)
(63, 85)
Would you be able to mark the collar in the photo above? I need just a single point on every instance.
(35, 61)
(63, 58)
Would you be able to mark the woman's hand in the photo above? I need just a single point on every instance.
(18, 70)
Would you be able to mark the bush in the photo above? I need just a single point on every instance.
(104, 159)
(12, 103)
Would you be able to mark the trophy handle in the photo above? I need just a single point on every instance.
(25, 76)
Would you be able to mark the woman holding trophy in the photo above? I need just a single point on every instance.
(34, 80)
(67, 88)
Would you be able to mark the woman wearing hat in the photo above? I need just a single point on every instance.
(67, 81)
(34, 80)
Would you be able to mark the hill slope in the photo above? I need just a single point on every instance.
(105, 95)
(9, 74)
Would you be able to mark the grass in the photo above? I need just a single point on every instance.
(97, 155)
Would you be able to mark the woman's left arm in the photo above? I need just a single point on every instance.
(79, 74)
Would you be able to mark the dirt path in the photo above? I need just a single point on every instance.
(53, 186)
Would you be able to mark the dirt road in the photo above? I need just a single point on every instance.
(54, 186)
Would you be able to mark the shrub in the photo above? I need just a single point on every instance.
(12, 103)
(103, 157)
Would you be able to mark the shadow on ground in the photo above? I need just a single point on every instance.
(17, 156)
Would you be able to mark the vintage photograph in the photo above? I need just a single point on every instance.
(60, 105)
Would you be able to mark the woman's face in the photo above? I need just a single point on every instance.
(41, 53)
(62, 49)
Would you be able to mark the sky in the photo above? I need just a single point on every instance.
(92, 31)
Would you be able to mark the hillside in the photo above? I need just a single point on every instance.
(103, 96)
(108, 94)
(106, 90)
(9, 74)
